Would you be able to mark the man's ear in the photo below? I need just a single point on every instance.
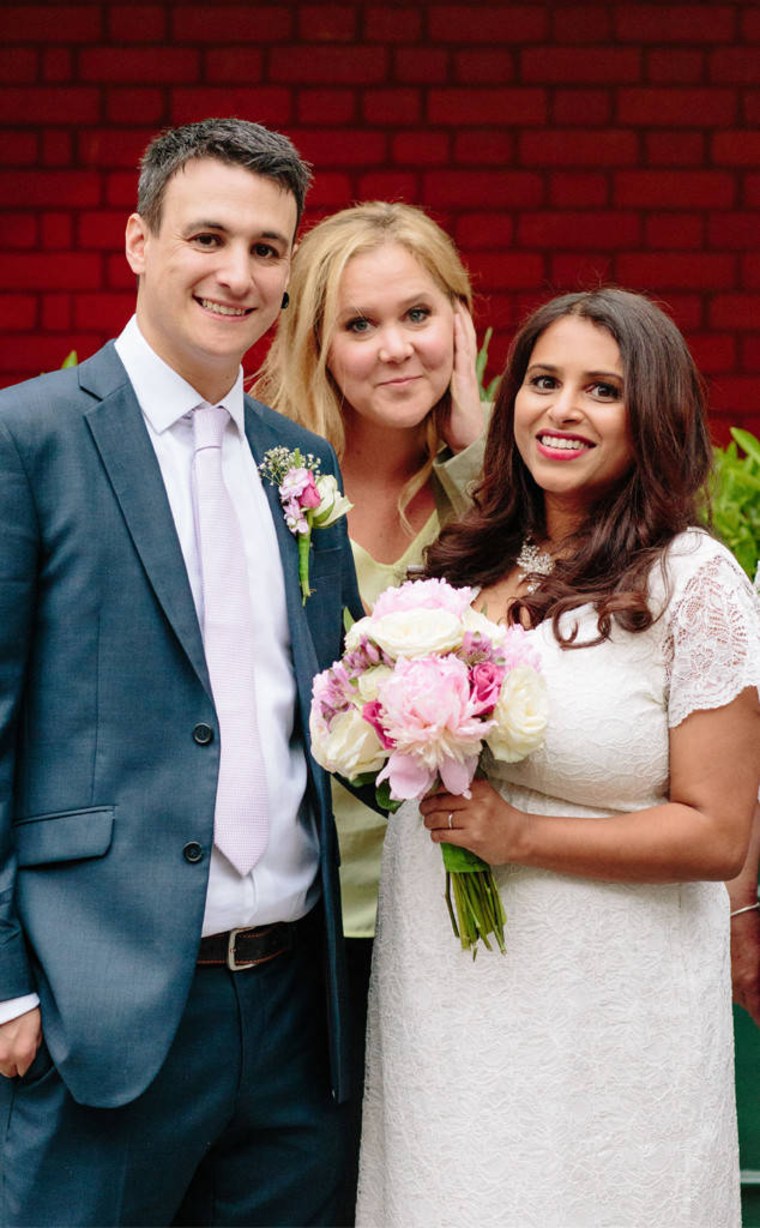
(135, 238)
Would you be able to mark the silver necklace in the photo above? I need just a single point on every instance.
(533, 562)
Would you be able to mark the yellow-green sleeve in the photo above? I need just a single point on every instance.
(457, 473)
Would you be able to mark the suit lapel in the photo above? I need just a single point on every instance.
(117, 427)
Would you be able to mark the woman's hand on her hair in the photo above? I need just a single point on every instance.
(465, 423)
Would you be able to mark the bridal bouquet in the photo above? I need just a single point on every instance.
(424, 684)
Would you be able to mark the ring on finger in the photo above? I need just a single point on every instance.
(451, 819)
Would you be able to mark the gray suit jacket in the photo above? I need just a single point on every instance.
(102, 683)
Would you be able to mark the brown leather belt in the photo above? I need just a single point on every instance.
(246, 948)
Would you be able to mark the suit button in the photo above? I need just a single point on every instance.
(203, 734)
(193, 852)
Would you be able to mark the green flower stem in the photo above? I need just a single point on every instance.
(473, 900)
(304, 546)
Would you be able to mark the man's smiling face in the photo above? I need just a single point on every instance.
(213, 275)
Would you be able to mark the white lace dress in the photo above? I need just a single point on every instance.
(585, 1078)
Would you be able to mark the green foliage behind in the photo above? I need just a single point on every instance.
(487, 391)
(736, 497)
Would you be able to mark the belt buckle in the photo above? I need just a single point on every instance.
(232, 963)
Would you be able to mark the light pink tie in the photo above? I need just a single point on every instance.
(241, 825)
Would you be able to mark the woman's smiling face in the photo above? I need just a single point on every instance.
(571, 419)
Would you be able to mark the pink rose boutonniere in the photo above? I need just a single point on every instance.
(310, 500)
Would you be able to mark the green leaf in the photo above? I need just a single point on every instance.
(384, 799)
(461, 861)
(735, 492)
(364, 778)
(747, 441)
(348, 619)
(482, 358)
(487, 391)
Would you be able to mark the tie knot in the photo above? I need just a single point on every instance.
(209, 423)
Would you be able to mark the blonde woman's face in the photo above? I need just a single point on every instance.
(392, 351)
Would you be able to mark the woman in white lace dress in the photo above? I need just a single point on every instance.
(585, 1078)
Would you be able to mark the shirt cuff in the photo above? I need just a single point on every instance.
(13, 1007)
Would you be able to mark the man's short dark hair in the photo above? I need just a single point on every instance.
(238, 142)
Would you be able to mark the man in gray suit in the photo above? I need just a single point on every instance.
(171, 1024)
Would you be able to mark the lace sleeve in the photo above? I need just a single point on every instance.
(712, 646)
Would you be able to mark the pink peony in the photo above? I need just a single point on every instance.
(424, 595)
(372, 713)
(428, 714)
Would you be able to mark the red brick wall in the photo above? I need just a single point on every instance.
(560, 143)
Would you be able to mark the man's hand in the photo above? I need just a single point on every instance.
(19, 1041)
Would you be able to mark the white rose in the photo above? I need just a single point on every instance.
(521, 715)
(417, 633)
(350, 746)
(369, 682)
(332, 505)
(360, 628)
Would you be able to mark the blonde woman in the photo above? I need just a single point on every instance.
(377, 353)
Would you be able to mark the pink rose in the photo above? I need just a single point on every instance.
(485, 686)
(310, 496)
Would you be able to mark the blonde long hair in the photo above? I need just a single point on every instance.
(294, 377)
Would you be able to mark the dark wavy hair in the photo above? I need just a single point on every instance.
(607, 560)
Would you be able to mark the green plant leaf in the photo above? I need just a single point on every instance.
(735, 496)
(747, 441)
(482, 358)
(486, 390)
(384, 799)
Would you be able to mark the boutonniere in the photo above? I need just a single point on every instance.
(310, 500)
